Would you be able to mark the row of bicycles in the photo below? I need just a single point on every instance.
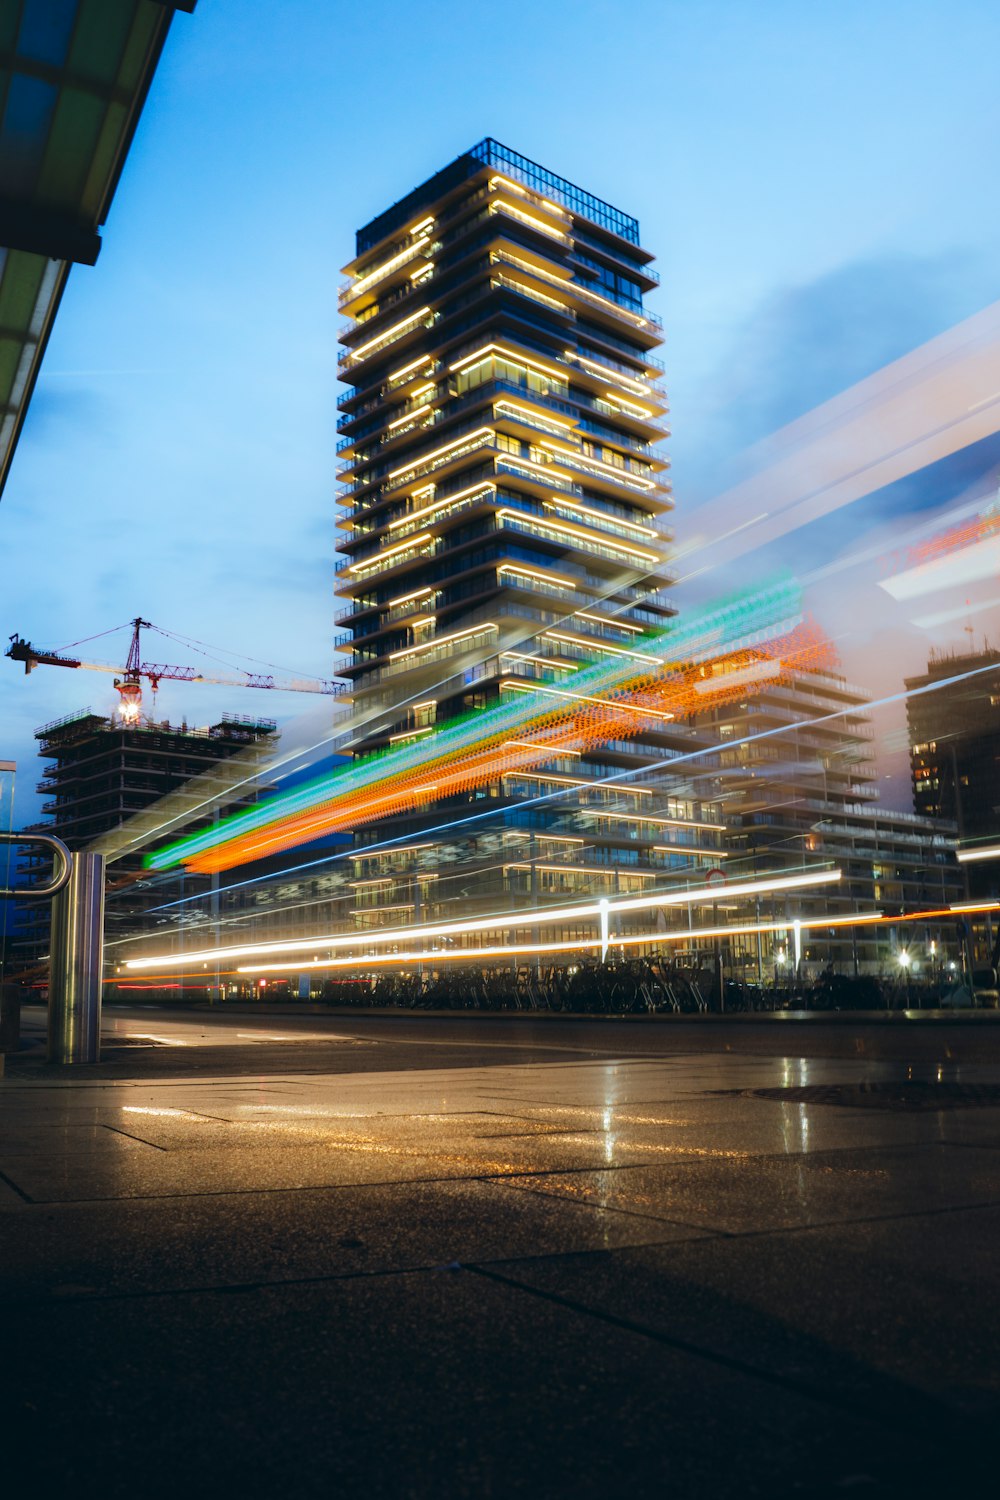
(632, 987)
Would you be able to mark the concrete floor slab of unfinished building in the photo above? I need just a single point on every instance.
(409, 1256)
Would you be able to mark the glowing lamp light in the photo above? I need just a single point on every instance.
(904, 959)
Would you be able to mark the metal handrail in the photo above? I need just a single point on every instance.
(62, 867)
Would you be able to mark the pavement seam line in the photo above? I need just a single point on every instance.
(141, 1140)
(15, 1189)
(822, 1397)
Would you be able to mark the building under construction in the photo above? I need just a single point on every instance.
(102, 771)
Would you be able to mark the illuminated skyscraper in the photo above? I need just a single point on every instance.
(503, 499)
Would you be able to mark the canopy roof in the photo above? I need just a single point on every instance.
(73, 79)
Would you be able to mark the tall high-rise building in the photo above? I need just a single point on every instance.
(504, 513)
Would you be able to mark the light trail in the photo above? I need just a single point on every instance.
(531, 917)
(449, 827)
(971, 856)
(332, 802)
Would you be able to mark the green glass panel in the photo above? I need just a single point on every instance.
(22, 278)
(100, 36)
(10, 355)
(147, 18)
(72, 139)
(105, 152)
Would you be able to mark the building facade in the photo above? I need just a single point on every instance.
(797, 783)
(504, 510)
(954, 733)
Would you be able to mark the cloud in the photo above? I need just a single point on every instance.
(805, 344)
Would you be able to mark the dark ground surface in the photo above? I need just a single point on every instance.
(302, 1254)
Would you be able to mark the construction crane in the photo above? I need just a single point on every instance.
(128, 679)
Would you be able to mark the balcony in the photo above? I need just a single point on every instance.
(424, 317)
(352, 289)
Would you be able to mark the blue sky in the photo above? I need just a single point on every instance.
(817, 181)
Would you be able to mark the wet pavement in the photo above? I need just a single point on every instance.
(416, 1256)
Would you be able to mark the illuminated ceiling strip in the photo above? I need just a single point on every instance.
(499, 206)
(531, 573)
(630, 407)
(564, 528)
(515, 187)
(426, 458)
(618, 791)
(408, 599)
(444, 504)
(593, 644)
(532, 917)
(622, 707)
(581, 614)
(408, 416)
(554, 747)
(373, 562)
(388, 853)
(442, 640)
(514, 356)
(415, 364)
(629, 381)
(600, 515)
(584, 459)
(357, 287)
(758, 671)
(515, 407)
(387, 337)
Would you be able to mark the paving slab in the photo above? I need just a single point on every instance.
(421, 1385)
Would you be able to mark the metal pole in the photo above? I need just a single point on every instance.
(76, 964)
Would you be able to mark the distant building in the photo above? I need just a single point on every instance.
(100, 773)
(805, 795)
(955, 741)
